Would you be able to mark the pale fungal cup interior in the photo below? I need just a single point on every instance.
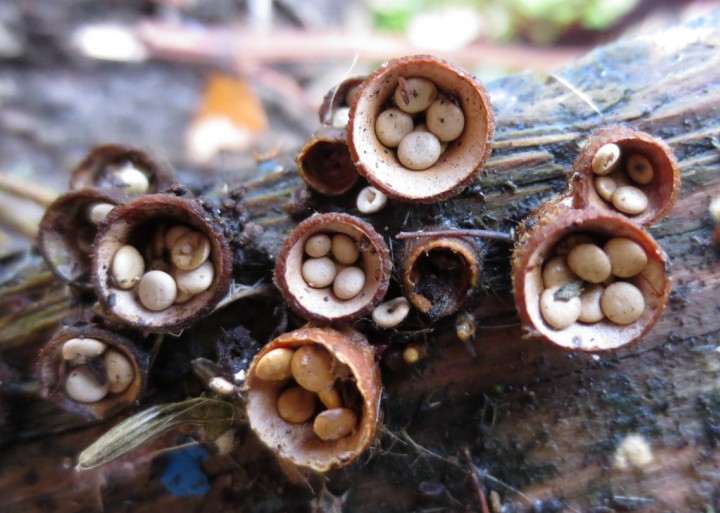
(136, 227)
(603, 335)
(456, 166)
(322, 301)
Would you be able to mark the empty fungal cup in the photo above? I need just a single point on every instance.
(440, 273)
(325, 164)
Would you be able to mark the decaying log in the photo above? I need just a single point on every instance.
(505, 418)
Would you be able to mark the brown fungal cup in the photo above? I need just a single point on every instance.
(660, 191)
(549, 233)
(155, 227)
(92, 371)
(342, 95)
(103, 167)
(67, 231)
(325, 164)
(356, 375)
(439, 274)
(456, 166)
(320, 303)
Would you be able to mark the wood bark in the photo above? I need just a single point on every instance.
(504, 414)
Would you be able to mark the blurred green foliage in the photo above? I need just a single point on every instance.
(540, 21)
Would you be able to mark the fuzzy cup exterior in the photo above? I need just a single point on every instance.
(335, 98)
(457, 166)
(92, 171)
(443, 296)
(662, 191)
(135, 224)
(298, 443)
(52, 380)
(535, 242)
(325, 164)
(320, 305)
(64, 222)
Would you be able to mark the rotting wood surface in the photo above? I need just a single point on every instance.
(535, 424)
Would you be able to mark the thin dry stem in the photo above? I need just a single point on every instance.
(26, 189)
(10, 220)
(481, 234)
(226, 45)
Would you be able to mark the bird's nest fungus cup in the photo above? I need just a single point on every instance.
(68, 228)
(420, 129)
(627, 171)
(588, 280)
(313, 396)
(161, 263)
(92, 371)
(335, 107)
(333, 268)
(119, 166)
(440, 273)
(325, 164)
